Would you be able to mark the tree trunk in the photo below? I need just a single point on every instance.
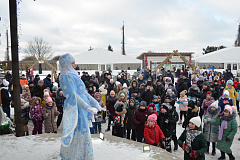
(15, 66)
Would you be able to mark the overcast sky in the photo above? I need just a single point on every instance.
(150, 25)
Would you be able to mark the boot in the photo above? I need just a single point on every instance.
(95, 131)
(104, 121)
(175, 146)
(232, 158)
(180, 122)
(213, 152)
(222, 158)
(27, 133)
(99, 131)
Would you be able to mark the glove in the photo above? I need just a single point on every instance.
(155, 144)
(178, 101)
(193, 154)
(220, 115)
(92, 110)
(181, 102)
(34, 121)
(184, 146)
(212, 121)
(227, 139)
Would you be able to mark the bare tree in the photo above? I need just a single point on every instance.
(39, 48)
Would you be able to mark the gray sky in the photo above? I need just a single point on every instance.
(156, 25)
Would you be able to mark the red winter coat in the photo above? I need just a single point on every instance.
(153, 134)
(236, 85)
(139, 119)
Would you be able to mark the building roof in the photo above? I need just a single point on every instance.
(163, 54)
(226, 55)
(103, 56)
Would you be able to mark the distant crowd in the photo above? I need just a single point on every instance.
(142, 107)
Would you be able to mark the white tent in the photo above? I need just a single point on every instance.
(221, 59)
(226, 55)
(100, 57)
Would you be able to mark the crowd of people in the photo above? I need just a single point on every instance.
(142, 107)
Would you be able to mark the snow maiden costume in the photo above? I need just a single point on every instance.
(76, 140)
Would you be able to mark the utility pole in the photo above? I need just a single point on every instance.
(7, 51)
(15, 66)
(123, 41)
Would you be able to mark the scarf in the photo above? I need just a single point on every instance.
(68, 69)
(190, 136)
(224, 124)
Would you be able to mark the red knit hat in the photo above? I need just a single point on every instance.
(210, 93)
(194, 82)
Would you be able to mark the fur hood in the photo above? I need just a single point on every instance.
(124, 111)
(195, 110)
(123, 92)
(34, 101)
(135, 82)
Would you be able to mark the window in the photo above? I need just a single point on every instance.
(228, 66)
(234, 66)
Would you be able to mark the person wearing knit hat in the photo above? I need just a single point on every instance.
(232, 92)
(207, 102)
(25, 108)
(130, 127)
(139, 118)
(152, 108)
(164, 123)
(211, 128)
(225, 100)
(183, 106)
(228, 129)
(153, 135)
(192, 140)
(173, 118)
(49, 114)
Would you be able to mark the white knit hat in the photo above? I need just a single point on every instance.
(196, 121)
(214, 104)
(46, 94)
(117, 83)
(229, 108)
(226, 92)
(124, 85)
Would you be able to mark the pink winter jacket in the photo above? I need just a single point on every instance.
(184, 106)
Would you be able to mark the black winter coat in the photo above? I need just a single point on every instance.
(163, 121)
(38, 91)
(128, 116)
(160, 91)
(148, 95)
(181, 86)
(5, 97)
(173, 118)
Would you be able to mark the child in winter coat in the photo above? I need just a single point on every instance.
(210, 126)
(152, 108)
(49, 115)
(122, 97)
(26, 95)
(232, 92)
(111, 100)
(36, 113)
(156, 102)
(225, 100)
(118, 128)
(60, 103)
(183, 106)
(192, 140)
(129, 124)
(153, 135)
(171, 94)
(139, 118)
(228, 129)
(207, 102)
(25, 117)
(173, 118)
(194, 94)
(163, 120)
(97, 96)
(192, 112)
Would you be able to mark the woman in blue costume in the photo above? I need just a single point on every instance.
(76, 139)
